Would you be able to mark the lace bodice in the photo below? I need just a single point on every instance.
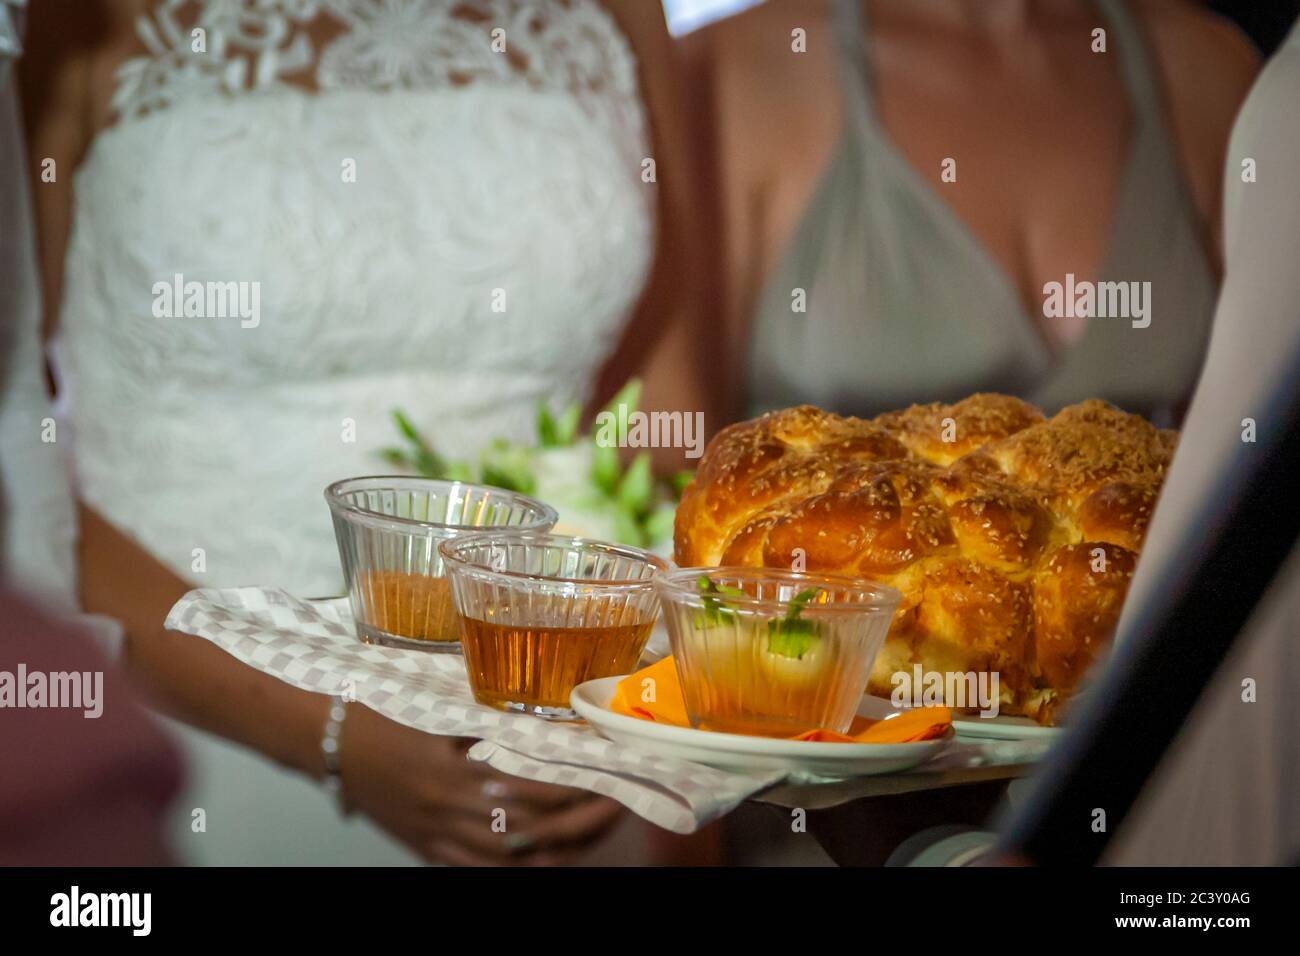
(204, 47)
(423, 219)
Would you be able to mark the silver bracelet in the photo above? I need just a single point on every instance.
(331, 751)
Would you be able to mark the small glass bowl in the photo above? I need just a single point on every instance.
(388, 530)
(746, 668)
(541, 613)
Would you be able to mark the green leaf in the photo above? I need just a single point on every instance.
(799, 601)
(566, 426)
(553, 432)
(508, 466)
(793, 636)
(627, 530)
(428, 464)
(789, 637)
(502, 478)
(546, 431)
(659, 524)
(629, 396)
(680, 480)
(636, 488)
(460, 471)
(605, 468)
(396, 456)
(423, 458)
(714, 611)
(407, 429)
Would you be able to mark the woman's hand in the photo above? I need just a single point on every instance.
(424, 791)
(420, 788)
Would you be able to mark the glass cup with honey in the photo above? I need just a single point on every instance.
(388, 531)
(542, 613)
(772, 652)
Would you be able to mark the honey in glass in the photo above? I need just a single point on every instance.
(413, 606)
(741, 684)
(533, 669)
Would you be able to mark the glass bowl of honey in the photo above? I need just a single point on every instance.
(388, 530)
(542, 613)
(773, 652)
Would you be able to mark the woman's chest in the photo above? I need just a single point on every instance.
(1023, 173)
(1032, 176)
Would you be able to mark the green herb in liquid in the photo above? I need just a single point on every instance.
(792, 636)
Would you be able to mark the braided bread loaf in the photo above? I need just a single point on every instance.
(1012, 537)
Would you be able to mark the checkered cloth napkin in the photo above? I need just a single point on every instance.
(312, 645)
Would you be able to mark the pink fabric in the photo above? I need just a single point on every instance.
(78, 790)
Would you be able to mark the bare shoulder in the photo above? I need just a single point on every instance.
(764, 65)
(84, 25)
(767, 82)
(65, 80)
(645, 29)
(70, 49)
(663, 94)
(756, 39)
(643, 25)
(1199, 47)
(1207, 66)
(1207, 63)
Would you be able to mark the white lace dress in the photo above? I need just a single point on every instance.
(436, 205)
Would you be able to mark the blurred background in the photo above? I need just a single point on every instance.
(819, 176)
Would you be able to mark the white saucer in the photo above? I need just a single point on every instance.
(1001, 728)
(742, 753)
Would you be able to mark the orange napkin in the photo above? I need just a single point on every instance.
(668, 707)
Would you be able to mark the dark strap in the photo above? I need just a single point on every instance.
(1170, 650)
